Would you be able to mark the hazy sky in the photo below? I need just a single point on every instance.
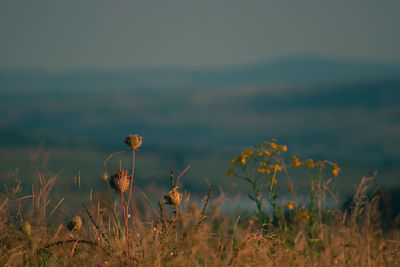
(55, 34)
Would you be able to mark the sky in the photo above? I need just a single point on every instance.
(118, 34)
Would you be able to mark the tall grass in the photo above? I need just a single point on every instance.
(34, 231)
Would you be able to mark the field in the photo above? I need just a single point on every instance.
(122, 226)
(211, 187)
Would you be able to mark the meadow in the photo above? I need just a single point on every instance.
(197, 193)
(122, 226)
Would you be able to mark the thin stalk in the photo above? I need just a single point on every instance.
(133, 176)
(124, 208)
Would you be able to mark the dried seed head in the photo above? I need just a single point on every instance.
(26, 228)
(75, 223)
(173, 197)
(120, 181)
(134, 141)
(105, 176)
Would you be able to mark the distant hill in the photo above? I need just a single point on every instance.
(287, 71)
(341, 111)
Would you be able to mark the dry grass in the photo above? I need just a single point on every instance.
(35, 231)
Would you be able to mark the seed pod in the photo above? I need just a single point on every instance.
(26, 228)
(134, 141)
(104, 176)
(120, 181)
(173, 197)
(75, 223)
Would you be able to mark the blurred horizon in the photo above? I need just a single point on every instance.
(200, 81)
(321, 108)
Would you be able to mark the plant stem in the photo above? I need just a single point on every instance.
(133, 176)
(125, 209)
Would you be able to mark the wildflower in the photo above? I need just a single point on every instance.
(282, 147)
(290, 205)
(336, 169)
(310, 163)
(134, 141)
(26, 228)
(273, 145)
(264, 170)
(75, 223)
(120, 181)
(302, 214)
(243, 160)
(173, 197)
(276, 167)
(274, 181)
(230, 171)
(320, 164)
(267, 152)
(295, 162)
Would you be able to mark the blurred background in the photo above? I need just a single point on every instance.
(200, 81)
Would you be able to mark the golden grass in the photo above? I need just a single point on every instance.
(34, 231)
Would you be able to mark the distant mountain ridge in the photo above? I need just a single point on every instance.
(290, 71)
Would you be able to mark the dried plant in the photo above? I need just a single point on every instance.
(120, 181)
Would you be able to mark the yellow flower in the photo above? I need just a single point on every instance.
(243, 160)
(266, 152)
(263, 170)
(290, 205)
(320, 164)
(335, 170)
(310, 163)
(276, 167)
(274, 180)
(295, 162)
(273, 145)
(283, 148)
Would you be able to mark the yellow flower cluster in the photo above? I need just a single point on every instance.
(320, 164)
(244, 156)
(276, 148)
(261, 152)
(295, 162)
(266, 168)
(302, 214)
(265, 154)
(309, 163)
